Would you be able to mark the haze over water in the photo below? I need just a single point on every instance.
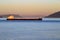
(34, 8)
(25, 29)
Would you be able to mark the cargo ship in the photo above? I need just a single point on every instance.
(21, 18)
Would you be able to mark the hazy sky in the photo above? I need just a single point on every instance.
(29, 7)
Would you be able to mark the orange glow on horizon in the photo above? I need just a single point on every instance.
(10, 17)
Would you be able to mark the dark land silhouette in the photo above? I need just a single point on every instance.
(54, 15)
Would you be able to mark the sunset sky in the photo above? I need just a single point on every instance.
(29, 7)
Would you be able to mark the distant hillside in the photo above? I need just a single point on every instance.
(6, 15)
(54, 15)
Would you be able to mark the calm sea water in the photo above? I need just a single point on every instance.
(29, 30)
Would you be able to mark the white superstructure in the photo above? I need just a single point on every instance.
(3, 18)
(49, 19)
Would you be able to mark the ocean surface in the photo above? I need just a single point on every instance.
(29, 30)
